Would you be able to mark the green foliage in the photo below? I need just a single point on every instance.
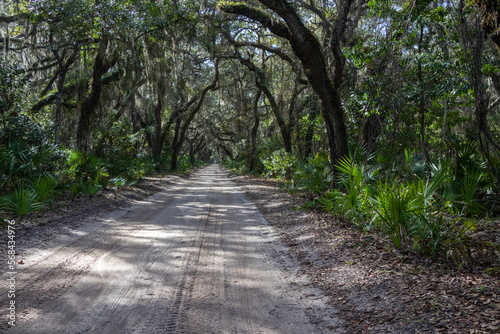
(90, 174)
(21, 202)
(354, 202)
(183, 164)
(78, 188)
(86, 168)
(118, 182)
(15, 164)
(470, 185)
(467, 181)
(132, 168)
(238, 165)
(415, 164)
(44, 187)
(26, 153)
(355, 180)
(316, 176)
(280, 164)
(10, 89)
(417, 211)
(394, 210)
(87, 187)
(414, 209)
(428, 201)
(93, 189)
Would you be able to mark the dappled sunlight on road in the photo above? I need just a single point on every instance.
(194, 258)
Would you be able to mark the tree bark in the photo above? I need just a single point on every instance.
(253, 135)
(13, 18)
(175, 145)
(308, 141)
(158, 142)
(62, 71)
(481, 107)
(473, 43)
(70, 90)
(90, 104)
(490, 16)
(421, 107)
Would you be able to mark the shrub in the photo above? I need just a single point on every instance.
(280, 164)
(78, 188)
(93, 189)
(21, 202)
(396, 210)
(43, 187)
(316, 176)
(354, 201)
(415, 211)
(118, 182)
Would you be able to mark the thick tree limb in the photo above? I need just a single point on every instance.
(70, 90)
(92, 100)
(275, 26)
(12, 40)
(335, 42)
(280, 53)
(42, 68)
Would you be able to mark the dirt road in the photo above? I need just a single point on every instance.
(195, 258)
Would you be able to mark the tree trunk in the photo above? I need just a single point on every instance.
(260, 81)
(423, 142)
(481, 105)
(62, 71)
(308, 147)
(91, 103)
(158, 142)
(489, 147)
(60, 86)
(253, 135)
(308, 49)
(175, 144)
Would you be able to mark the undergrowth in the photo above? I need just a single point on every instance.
(434, 208)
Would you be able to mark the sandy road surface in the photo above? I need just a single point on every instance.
(195, 258)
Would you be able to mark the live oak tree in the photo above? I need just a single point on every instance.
(289, 25)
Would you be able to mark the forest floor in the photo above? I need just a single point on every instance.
(375, 288)
(370, 287)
